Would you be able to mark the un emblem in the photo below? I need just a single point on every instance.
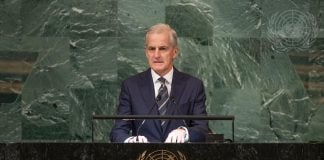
(161, 155)
(292, 29)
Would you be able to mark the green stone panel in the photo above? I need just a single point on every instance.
(95, 58)
(235, 19)
(85, 103)
(92, 19)
(131, 57)
(86, 48)
(45, 18)
(181, 18)
(316, 128)
(45, 98)
(252, 121)
(10, 18)
(137, 15)
(10, 121)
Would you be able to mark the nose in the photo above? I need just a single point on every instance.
(157, 53)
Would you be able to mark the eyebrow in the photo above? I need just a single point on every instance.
(160, 47)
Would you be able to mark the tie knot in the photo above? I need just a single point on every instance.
(162, 80)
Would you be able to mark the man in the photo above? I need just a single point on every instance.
(161, 90)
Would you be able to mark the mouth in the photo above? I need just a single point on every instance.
(157, 61)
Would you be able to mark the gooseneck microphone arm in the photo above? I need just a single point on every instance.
(176, 111)
(140, 126)
(158, 98)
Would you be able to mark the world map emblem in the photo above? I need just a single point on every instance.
(162, 155)
(292, 30)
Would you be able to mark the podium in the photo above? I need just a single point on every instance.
(169, 117)
(189, 151)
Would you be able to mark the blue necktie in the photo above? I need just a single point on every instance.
(163, 98)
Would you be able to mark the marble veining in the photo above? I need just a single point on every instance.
(80, 51)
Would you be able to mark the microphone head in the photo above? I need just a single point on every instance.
(158, 98)
(172, 99)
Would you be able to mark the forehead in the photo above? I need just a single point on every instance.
(158, 39)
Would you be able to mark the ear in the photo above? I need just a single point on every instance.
(175, 53)
(146, 54)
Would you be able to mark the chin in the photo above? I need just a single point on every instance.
(157, 68)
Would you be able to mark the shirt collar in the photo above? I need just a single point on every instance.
(168, 76)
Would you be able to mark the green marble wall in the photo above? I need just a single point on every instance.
(261, 61)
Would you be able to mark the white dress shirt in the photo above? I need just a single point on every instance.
(157, 84)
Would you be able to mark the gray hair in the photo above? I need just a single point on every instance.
(159, 28)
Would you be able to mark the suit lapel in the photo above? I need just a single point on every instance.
(178, 86)
(147, 90)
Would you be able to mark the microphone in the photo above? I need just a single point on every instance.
(158, 98)
(140, 126)
(172, 98)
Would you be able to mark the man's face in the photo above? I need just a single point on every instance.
(160, 52)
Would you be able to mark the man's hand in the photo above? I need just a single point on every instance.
(136, 139)
(176, 136)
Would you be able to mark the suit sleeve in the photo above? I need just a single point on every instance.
(198, 129)
(121, 129)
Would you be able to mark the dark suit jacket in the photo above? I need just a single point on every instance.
(137, 98)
